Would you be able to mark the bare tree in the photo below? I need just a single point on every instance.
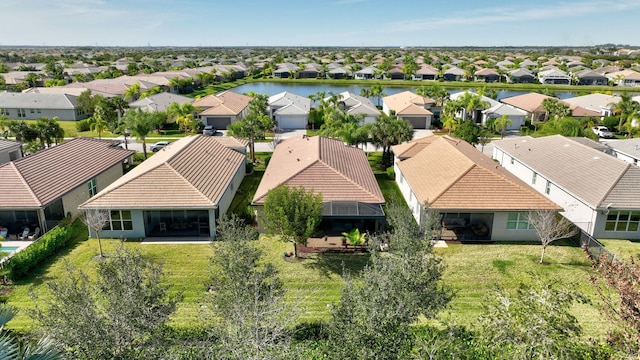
(275, 140)
(550, 226)
(96, 219)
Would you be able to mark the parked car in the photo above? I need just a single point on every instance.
(158, 146)
(602, 131)
(209, 130)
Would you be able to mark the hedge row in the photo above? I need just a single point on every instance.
(48, 244)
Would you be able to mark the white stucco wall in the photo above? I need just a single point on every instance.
(621, 156)
(499, 231)
(575, 210)
(230, 192)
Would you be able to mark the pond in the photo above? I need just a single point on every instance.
(272, 88)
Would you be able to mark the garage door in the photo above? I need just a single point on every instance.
(416, 122)
(219, 122)
(292, 122)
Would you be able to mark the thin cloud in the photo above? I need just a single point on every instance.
(504, 15)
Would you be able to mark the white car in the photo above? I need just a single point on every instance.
(602, 131)
(158, 146)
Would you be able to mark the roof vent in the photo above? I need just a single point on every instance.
(596, 157)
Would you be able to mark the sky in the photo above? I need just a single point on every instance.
(352, 23)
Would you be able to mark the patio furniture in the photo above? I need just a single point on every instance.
(24, 235)
(34, 235)
(163, 226)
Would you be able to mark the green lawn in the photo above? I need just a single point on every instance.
(315, 283)
(622, 248)
(474, 270)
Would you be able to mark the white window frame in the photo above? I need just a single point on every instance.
(118, 220)
(521, 221)
(93, 187)
(534, 178)
(547, 189)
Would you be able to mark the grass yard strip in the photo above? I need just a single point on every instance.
(622, 248)
(474, 271)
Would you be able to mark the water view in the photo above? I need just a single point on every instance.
(272, 88)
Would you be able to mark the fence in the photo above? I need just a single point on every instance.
(594, 248)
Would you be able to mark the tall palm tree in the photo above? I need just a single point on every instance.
(99, 123)
(501, 124)
(140, 124)
(132, 92)
(182, 114)
(389, 130)
(624, 108)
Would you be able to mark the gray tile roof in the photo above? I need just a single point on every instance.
(595, 178)
(630, 147)
(8, 144)
(37, 101)
(37, 180)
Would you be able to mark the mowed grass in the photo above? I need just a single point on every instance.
(476, 271)
(622, 248)
(315, 282)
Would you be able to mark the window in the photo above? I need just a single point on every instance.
(518, 221)
(547, 188)
(534, 177)
(14, 155)
(21, 113)
(513, 161)
(93, 187)
(120, 220)
(39, 111)
(622, 221)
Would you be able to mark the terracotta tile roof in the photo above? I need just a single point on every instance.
(226, 103)
(532, 102)
(450, 174)
(191, 172)
(587, 173)
(408, 103)
(411, 148)
(37, 180)
(328, 166)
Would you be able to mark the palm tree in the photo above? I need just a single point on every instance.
(182, 114)
(624, 108)
(99, 123)
(501, 124)
(140, 125)
(120, 105)
(355, 237)
(12, 349)
(389, 130)
(132, 92)
(449, 122)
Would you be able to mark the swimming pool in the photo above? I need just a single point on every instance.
(8, 249)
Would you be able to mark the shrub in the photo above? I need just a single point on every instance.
(83, 125)
(391, 173)
(249, 167)
(611, 122)
(26, 260)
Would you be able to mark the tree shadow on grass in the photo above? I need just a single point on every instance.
(335, 264)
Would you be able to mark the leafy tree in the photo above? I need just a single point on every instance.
(48, 131)
(32, 80)
(550, 226)
(14, 349)
(501, 124)
(389, 130)
(22, 131)
(555, 108)
(140, 124)
(625, 109)
(375, 91)
(255, 124)
(98, 120)
(118, 315)
(132, 92)
(374, 316)
(293, 213)
(436, 92)
(467, 131)
(247, 297)
(618, 286)
(87, 102)
(182, 114)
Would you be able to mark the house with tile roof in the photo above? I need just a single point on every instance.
(425, 72)
(357, 105)
(627, 150)
(411, 107)
(532, 104)
(590, 77)
(289, 110)
(521, 76)
(601, 103)
(159, 102)
(477, 198)
(32, 106)
(486, 75)
(367, 73)
(554, 76)
(10, 150)
(626, 77)
(41, 189)
(599, 193)
(350, 193)
(221, 110)
(179, 192)
(453, 73)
